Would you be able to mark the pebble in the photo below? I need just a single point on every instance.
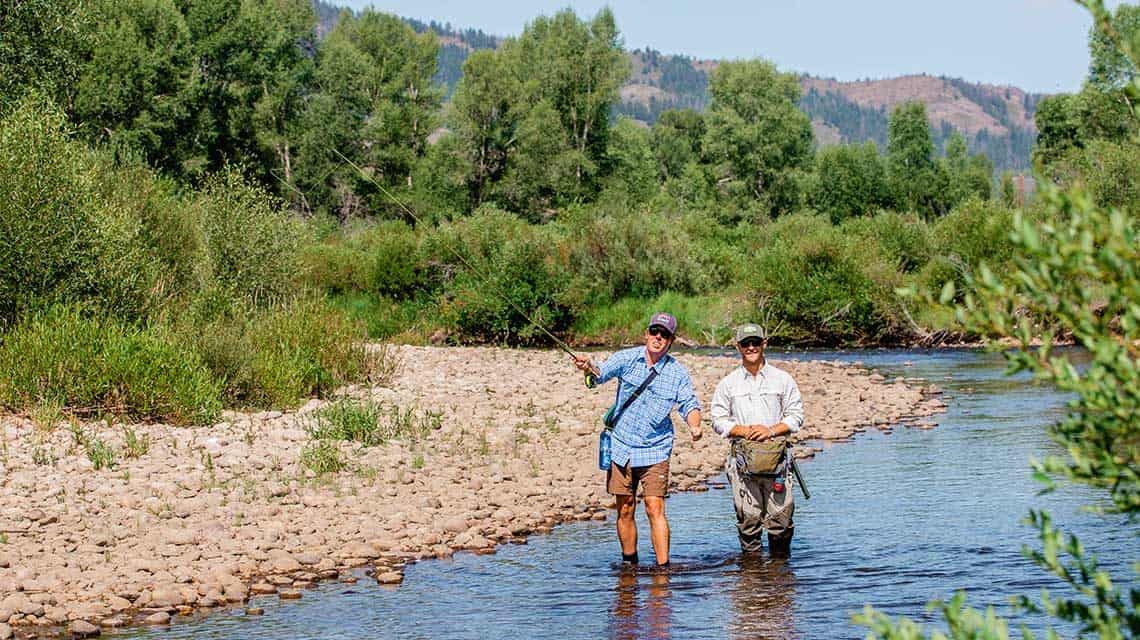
(254, 611)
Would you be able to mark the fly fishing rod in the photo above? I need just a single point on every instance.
(483, 277)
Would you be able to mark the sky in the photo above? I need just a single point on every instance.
(1036, 45)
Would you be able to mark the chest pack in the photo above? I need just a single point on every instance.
(759, 457)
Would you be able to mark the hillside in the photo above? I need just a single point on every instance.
(995, 120)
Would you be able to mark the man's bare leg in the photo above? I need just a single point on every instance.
(626, 526)
(658, 527)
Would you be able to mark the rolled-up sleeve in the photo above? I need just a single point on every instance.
(793, 415)
(613, 366)
(721, 410)
(686, 398)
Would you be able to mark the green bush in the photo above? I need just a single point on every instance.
(620, 253)
(903, 239)
(276, 357)
(973, 233)
(252, 242)
(507, 270)
(92, 365)
(68, 232)
(821, 285)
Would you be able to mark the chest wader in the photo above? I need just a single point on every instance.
(762, 494)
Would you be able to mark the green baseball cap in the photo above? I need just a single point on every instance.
(750, 331)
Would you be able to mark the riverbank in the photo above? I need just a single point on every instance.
(208, 516)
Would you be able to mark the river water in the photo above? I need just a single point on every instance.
(894, 520)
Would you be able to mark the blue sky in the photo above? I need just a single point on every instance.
(1037, 45)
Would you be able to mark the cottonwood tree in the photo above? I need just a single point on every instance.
(375, 105)
(757, 136)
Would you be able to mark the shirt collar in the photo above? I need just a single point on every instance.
(661, 362)
(761, 373)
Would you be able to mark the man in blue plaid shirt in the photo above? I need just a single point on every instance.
(643, 435)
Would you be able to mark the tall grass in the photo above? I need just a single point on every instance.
(93, 365)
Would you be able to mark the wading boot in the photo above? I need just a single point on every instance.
(752, 543)
(780, 546)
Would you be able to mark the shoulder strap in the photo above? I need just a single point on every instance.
(628, 401)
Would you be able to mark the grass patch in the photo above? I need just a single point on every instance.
(93, 366)
(321, 457)
(370, 423)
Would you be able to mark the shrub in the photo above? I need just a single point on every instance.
(275, 357)
(903, 239)
(94, 365)
(252, 242)
(507, 270)
(621, 253)
(973, 233)
(822, 286)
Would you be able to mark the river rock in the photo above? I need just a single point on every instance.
(83, 629)
(158, 618)
(5, 631)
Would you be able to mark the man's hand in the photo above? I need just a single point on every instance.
(758, 433)
(694, 422)
(583, 363)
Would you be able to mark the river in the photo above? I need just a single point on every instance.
(894, 520)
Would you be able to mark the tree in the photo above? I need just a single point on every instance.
(1058, 128)
(677, 140)
(578, 67)
(1110, 69)
(538, 107)
(41, 42)
(130, 90)
(631, 166)
(249, 58)
(964, 176)
(757, 136)
(374, 104)
(910, 157)
(851, 180)
(484, 116)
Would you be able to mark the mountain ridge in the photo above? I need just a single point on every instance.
(997, 120)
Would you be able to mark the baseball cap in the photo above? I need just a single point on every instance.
(663, 320)
(750, 331)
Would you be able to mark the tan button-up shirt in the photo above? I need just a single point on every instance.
(768, 398)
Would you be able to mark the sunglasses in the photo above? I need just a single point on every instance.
(749, 343)
(658, 332)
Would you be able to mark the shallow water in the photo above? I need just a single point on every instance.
(894, 520)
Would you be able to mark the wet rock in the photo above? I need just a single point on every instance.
(254, 611)
(83, 629)
(158, 618)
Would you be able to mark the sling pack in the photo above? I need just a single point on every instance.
(611, 418)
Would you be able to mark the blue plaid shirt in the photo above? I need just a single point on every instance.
(643, 435)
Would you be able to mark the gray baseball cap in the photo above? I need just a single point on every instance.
(750, 330)
(663, 320)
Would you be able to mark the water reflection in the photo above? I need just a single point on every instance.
(763, 597)
(641, 606)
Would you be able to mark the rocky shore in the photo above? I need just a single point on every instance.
(183, 519)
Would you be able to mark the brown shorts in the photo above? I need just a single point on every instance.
(654, 479)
